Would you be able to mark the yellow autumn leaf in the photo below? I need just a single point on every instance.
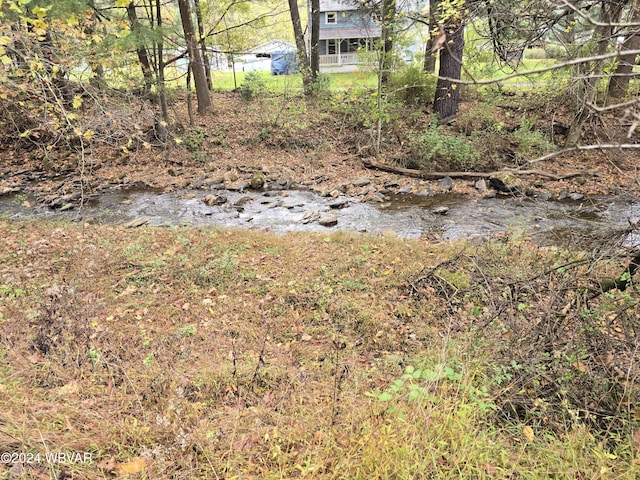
(4, 40)
(41, 12)
(134, 466)
(527, 431)
(77, 101)
(5, 60)
(88, 134)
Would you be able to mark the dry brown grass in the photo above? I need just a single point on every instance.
(235, 354)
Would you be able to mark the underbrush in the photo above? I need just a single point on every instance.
(197, 353)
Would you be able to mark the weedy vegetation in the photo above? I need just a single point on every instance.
(200, 353)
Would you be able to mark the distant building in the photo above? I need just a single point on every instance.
(346, 32)
(217, 60)
(259, 57)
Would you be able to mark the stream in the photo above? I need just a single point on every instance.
(447, 215)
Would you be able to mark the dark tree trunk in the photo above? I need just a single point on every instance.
(141, 51)
(445, 104)
(619, 81)
(314, 61)
(429, 55)
(303, 58)
(195, 59)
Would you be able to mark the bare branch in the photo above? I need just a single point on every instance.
(595, 22)
(568, 63)
(602, 146)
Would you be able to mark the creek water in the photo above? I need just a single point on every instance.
(409, 216)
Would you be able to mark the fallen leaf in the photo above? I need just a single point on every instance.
(527, 431)
(134, 466)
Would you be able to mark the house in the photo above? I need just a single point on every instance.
(347, 31)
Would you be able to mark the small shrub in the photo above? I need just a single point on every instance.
(433, 150)
(194, 139)
(413, 85)
(557, 52)
(486, 118)
(530, 142)
(535, 53)
(252, 86)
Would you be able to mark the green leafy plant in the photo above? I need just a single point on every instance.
(252, 86)
(433, 149)
(530, 142)
(193, 140)
(413, 85)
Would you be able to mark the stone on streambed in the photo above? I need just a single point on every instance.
(212, 200)
(362, 182)
(136, 222)
(481, 185)
(440, 210)
(328, 220)
(257, 180)
(339, 203)
(446, 183)
(310, 217)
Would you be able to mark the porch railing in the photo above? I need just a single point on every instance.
(339, 59)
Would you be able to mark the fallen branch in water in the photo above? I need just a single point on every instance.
(409, 172)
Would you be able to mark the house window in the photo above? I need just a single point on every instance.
(332, 17)
(332, 47)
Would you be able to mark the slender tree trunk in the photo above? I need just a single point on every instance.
(303, 58)
(430, 56)
(609, 15)
(161, 126)
(195, 60)
(619, 81)
(141, 51)
(314, 59)
(203, 45)
(445, 104)
(388, 22)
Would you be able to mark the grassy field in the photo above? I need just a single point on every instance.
(199, 353)
(293, 83)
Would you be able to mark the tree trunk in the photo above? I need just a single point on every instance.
(430, 56)
(388, 22)
(195, 59)
(203, 45)
(303, 58)
(314, 61)
(141, 51)
(610, 14)
(447, 95)
(619, 81)
(162, 132)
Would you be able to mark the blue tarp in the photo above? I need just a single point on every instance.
(284, 63)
